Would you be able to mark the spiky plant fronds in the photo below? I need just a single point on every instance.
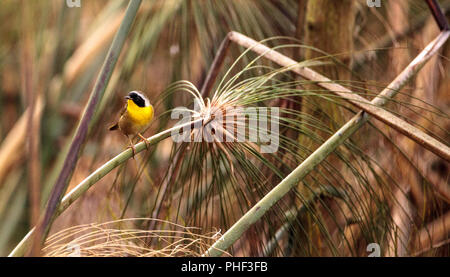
(218, 178)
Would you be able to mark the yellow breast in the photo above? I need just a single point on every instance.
(139, 115)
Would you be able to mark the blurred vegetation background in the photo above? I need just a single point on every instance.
(50, 56)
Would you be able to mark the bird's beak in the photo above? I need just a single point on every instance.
(127, 97)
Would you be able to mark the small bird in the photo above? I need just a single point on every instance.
(135, 117)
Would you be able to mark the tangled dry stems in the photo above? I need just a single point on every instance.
(118, 239)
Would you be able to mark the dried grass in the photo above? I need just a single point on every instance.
(119, 238)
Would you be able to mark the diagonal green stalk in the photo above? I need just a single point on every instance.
(85, 125)
(296, 176)
(82, 187)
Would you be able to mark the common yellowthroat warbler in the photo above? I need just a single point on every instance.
(135, 117)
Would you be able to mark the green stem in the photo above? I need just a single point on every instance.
(84, 127)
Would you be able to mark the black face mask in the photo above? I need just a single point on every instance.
(137, 99)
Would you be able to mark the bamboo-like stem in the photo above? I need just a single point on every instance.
(82, 187)
(440, 18)
(296, 176)
(60, 187)
(215, 67)
(372, 108)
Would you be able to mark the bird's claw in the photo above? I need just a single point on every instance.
(147, 144)
(132, 150)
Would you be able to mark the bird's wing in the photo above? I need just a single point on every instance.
(124, 109)
(115, 126)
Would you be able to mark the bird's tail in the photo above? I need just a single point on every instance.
(114, 127)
